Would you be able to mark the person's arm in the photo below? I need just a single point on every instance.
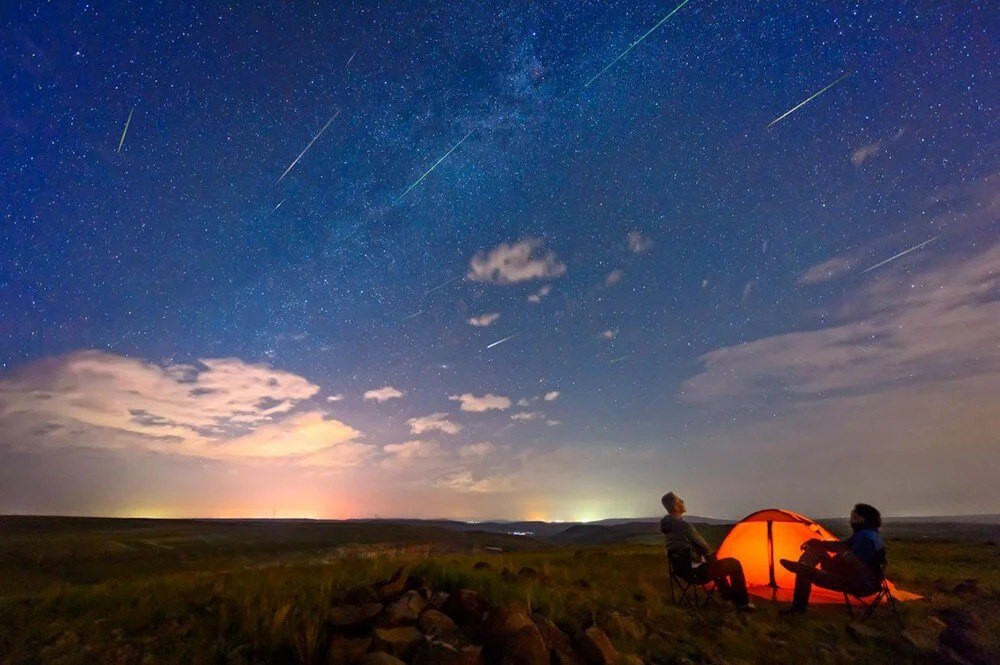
(698, 543)
(832, 546)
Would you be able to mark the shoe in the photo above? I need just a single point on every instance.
(794, 566)
(749, 608)
(791, 612)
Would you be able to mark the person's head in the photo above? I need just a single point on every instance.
(865, 516)
(673, 503)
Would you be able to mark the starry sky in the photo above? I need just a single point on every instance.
(499, 260)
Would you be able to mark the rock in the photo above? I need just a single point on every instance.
(507, 574)
(435, 622)
(400, 642)
(623, 627)
(392, 587)
(416, 583)
(506, 620)
(965, 643)
(558, 643)
(347, 649)
(352, 617)
(860, 632)
(967, 587)
(527, 573)
(582, 583)
(466, 607)
(361, 595)
(380, 658)
(438, 600)
(596, 647)
(405, 610)
(629, 659)
(444, 652)
(482, 565)
(525, 647)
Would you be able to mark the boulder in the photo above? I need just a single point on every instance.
(448, 652)
(966, 644)
(361, 595)
(967, 587)
(629, 659)
(527, 573)
(348, 649)
(506, 620)
(392, 587)
(405, 610)
(380, 658)
(862, 632)
(401, 642)
(558, 643)
(354, 617)
(482, 565)
(596, 647)
(438, 600)
(525, 647)
(435, 622)
(467, 607)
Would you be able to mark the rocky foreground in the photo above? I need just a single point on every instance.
(404, 620)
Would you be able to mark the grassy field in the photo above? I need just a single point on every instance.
(83, 591)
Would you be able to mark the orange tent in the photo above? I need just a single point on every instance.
(761, 539)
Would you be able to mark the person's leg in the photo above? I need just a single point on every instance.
(805, 577)
(728, 575)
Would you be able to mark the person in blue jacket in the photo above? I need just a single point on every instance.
(854, 565)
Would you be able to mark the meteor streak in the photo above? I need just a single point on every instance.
(121, 142)
(277, 206)
(635, 43)
(903, 253)
(349, 60)
(411, 316)
(309, 146)
(501, 341)
(801, 104)
(433, 167)
(621, 358)
(441, 285)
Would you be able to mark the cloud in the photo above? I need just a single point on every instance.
(479, 404)
(484, 320)
(413, 450)
(335, 398)
(917, 327)
(610, 333)
(465, 481)
(866, 152)
(825, 271)
(476, 450)
(552, 395)
(639, 243)
(219, 408)
(613, 277)
(519, 262)
(434, 422)
(524, 401)
(541, 293)
(553, 423)
(383, 394)
(528, 415)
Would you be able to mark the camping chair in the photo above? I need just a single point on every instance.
(681, 573)
(884, 595)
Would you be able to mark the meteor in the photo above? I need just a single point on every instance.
(411, 316)
(903, 253)
(635, 43)
(801, 104)
(125, 131)
(621, 358)
(501, 341)
(442, 284)
(351, 59)
(433, 167)
(309, 146)
(277, 206)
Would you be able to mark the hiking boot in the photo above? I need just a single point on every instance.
(749, 608)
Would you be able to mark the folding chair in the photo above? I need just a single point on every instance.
(681, 572)
(884, 595)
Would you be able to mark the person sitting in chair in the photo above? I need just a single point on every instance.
(692, 559)
(854, 566)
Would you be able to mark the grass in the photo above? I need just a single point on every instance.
(89, 602)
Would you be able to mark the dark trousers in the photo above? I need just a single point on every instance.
(830, 572)
(728, 577)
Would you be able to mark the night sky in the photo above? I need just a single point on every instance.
(596, 293)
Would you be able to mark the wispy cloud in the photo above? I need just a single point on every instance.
(484, 320)
(383, 394)
(826, 271)
(538, 295)
(519, 262)
(613, 277)
(528, 415)
(487, 402)
(434, 422)
(638, 243)
(866, 152)
(552, 395)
